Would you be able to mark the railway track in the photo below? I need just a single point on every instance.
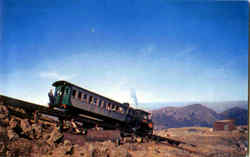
(36, 112)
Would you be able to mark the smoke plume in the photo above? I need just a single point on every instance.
(133, 97)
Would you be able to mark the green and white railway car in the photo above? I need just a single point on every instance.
(80, 102)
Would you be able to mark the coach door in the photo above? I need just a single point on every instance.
(66, 95)
(58, 95)
(61, 95)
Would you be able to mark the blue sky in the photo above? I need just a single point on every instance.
(164, 50)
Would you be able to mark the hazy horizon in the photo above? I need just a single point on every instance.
(219, 106)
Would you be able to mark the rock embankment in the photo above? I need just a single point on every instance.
(21, 137)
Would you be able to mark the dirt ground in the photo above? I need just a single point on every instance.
(211, 143)
(21, 137)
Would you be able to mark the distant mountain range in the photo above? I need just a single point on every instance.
(216, 106)
(238, 114)
(195, 115)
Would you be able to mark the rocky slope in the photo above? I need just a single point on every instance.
(24, 138)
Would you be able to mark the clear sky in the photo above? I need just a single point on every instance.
(164, 50)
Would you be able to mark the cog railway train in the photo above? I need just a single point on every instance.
(92, 109)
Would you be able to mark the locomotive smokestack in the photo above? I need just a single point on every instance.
(133, 97)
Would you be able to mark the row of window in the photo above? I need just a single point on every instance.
(98, 102)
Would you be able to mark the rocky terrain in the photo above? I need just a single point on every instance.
(195, 115)
(24, 138)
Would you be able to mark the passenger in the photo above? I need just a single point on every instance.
(108, 107)
(92, 101)
(51, 98)
(117, 109)
(120, 110)
(114, 109)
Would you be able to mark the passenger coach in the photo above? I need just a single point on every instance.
(77, 101)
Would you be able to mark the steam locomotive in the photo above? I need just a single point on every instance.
(92, 109)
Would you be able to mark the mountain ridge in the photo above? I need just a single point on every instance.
(195, 115)
(218, 106)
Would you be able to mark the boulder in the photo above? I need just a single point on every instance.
(27, 128)
(12, 134)
(20, 147)
(4, 110)
(104, 149)
(3, 116)
(80, 151)
(63, 149)
(37, 129)
(67, 147)
(55, 137)
(3, 148)
(121, 152)
(14, 123)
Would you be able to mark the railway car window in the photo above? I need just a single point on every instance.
(95, 100)
(149, 116)
(100, 103)
(74, 93)
(121, 110)
(104, 104)
(66, 91)
(117, 109)
(84, 96)
(90, 99)
(112, 107)
(79, 95)
(108, 106)
(57, 92)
